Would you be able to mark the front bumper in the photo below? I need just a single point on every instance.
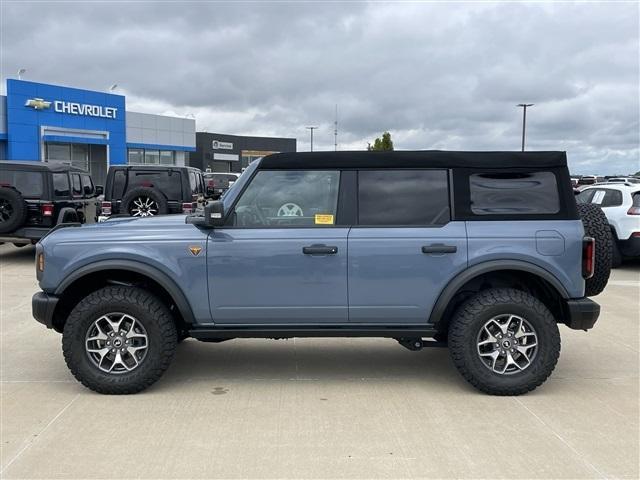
(42, 308)
(582, 313)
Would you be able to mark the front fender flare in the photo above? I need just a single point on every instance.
(457, 282)
(142, 268)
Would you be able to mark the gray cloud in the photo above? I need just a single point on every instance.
(435, 75)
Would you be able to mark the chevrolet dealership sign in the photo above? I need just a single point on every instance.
(73, 108)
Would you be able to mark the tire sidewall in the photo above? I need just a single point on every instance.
(19, 208)
(547, 334)
(74, 335)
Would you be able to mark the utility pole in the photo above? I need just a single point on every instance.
(335, 131)
(524, 119)
(311, 129)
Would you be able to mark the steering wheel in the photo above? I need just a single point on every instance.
(290, 210)
(250, 216)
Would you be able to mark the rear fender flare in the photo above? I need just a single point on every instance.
(457, 282)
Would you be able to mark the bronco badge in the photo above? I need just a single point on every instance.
(195, 250)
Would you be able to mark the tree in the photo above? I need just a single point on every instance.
(384, 143)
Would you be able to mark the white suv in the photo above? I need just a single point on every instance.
(621, 204)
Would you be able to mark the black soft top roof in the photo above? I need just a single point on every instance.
(413, 159)
(41, 166)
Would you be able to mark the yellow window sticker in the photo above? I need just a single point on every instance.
(324, 219)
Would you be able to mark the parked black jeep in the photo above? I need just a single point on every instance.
(148, 190)
(37, 196)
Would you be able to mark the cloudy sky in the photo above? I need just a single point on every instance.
(436, 75)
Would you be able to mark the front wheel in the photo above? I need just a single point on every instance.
(504, 341)
(119, 340)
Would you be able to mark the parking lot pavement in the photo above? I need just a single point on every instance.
(318, 408)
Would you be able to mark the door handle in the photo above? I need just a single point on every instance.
(319, 250)
(439, 248)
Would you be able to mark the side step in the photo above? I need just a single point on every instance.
(298, 331)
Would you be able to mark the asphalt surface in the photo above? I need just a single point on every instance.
(318, 408)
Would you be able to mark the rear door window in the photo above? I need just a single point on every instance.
(168, 182)
(61, 185)
(403, 197)
(29, 184)
(509, 193)
(585, 196)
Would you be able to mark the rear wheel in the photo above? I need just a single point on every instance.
(119, 340)
(13, 210)
(504, 341)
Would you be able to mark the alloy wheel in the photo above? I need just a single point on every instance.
(144, 207)
(507, 344)
(116, 343)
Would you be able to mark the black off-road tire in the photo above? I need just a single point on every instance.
(14, 210)
(471, 317)
(596, 226)
(127, 201)
(147, 309)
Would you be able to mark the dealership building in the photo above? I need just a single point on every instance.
(218, 152)
(93, 130)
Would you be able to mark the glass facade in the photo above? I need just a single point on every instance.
(143, 156)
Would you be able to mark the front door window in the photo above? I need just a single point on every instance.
(277, 199)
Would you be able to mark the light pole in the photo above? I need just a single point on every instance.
(21, 72)
(311, 129)
(524, 119)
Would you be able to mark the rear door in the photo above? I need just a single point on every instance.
(405, 247)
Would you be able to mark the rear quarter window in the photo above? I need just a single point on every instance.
(29, 184)
(514, 193)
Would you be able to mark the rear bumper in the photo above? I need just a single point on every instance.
(582, 313)
(42, 307)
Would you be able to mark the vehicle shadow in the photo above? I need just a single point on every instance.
(17, 255)
(324, 360)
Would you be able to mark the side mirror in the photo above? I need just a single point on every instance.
(214, 213)
(213, 216)
(99, 190)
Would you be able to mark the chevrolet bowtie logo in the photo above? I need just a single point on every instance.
(37, 103)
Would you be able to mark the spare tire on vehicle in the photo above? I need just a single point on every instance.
(144, 202)
(596, 226)
(13, 210)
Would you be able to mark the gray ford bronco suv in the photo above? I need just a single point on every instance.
(483, 252)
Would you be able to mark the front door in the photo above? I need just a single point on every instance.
(405, 248)
(282, 259)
